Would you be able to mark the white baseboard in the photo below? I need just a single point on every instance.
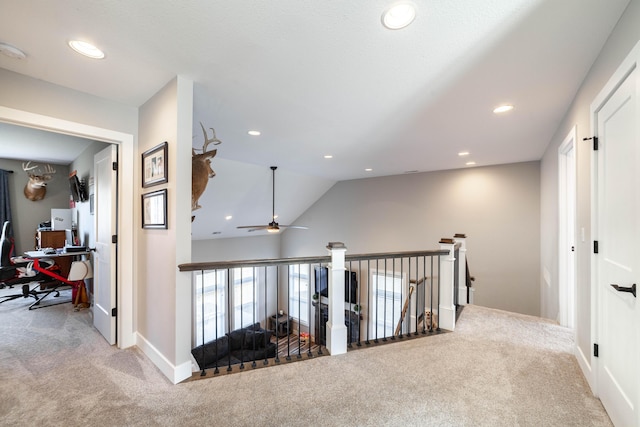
(171, 371)
(462, 295)
(585, 366)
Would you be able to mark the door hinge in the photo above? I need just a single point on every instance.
(114, 166)
(114, 238)
(595, 142)
(595, 350)
(595, 246)
(114, 312)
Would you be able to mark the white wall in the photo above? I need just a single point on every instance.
(163, 294)
(620, 42)
(37, 96)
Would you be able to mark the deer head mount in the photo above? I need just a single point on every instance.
(36, 187)
(201, 167)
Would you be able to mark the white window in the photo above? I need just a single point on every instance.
(386, 299)
(299, 292)
(244, 297)
(210, 298)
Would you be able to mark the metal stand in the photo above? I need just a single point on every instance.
(40, 295)
(25, 294)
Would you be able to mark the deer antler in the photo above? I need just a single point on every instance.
(49, 170)
(26, 168)
(207, 140)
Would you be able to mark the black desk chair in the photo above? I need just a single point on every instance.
(8, 270)
(17, 273)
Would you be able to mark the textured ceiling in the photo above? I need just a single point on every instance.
(325, 77)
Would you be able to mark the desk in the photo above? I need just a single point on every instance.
(54, 239)
(60, 281)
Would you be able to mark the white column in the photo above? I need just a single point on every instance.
(462, 268)
(336, 329)
(447, 309)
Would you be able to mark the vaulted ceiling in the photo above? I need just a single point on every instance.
(320, 78)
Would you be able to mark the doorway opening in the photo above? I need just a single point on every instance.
(567, 230)
(125, 217)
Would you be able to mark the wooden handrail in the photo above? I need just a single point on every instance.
(218, 265)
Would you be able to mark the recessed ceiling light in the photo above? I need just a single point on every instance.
(12, 51)
(463, 153)
(399, 15)
(328, 156)
(470, 163)
(254, 132)
(86, 49)
(228, 217)
(412, 171)
(217, 232)
(368, 170)
(503, 109)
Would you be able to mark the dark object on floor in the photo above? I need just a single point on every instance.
(242, 345)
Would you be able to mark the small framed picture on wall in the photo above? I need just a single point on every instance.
(154, 165)
(154, 209)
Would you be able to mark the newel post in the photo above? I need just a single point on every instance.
(447, 263)
(462, 270)
(336, 329)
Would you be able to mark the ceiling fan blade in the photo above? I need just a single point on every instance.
(300, 227)
(257, 227)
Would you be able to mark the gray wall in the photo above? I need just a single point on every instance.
(83, 164)
(498, 207)
(624, 36)
(27, 214)
(240, 248)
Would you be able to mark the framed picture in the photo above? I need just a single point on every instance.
(154, 165)
(154, 209)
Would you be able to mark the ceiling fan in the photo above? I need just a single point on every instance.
(273, 226)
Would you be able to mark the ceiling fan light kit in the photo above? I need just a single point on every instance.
(273, 226)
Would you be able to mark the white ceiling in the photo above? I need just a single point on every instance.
(325, 77)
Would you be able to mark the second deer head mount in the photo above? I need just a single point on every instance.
(36, 187)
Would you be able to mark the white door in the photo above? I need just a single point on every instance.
(567, 225)
(104, 260)
(618, 258)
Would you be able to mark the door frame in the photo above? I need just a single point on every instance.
(126, 155)
(566, 287)
(630, 63)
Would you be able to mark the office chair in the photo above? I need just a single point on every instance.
(7, 268)
(14, 273)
